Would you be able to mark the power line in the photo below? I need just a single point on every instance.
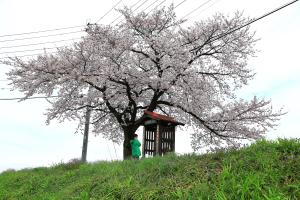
(45, 36)
(254, 20)
(203, 4)
(180, 3)
(135, 3)
(33, 44)
(20, 98)
(59, 34)
(122, 15)
(140, 5)
(35, 54)
(55, 29)
(144, 9)
(109, 10)
(206, 8)
(150, 5)
(134, 10)
(31, 50)
(216, 37)
(156, 7)
(42, 31)
(64, 28)
(50, 35)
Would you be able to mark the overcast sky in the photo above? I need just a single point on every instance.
(25, 139)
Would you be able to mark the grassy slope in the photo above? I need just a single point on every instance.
(264, 170)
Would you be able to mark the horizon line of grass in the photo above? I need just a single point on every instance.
(263, 170)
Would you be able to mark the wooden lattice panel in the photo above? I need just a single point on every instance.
(160, 143)
(149, 140)
(167, 138)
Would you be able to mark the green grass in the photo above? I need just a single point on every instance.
(265, 170)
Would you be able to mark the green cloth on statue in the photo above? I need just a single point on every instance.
(135, 148)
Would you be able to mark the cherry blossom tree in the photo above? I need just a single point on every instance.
(153, 62)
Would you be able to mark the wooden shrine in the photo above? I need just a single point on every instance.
(159, 134)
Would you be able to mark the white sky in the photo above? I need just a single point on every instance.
(25, 140)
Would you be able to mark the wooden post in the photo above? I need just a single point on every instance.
(157, 140)
(144, 141)
(173, 139)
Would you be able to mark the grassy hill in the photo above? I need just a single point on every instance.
(265, 170)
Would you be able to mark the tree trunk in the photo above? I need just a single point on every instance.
(128, 135)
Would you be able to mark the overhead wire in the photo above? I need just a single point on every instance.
(109, 11)
(155, 7)
(42, 31)
(64, 28)
(197, 8)
(8, 52)
(140, 5)
(34, 37)
(150, 5)
(27, 55)
(34, 44)
(253, 20)
(20, 98)
(204, 9)
(216, 37)
(134, 10)
(144, 8)
(180, 3)
(122, 15)
(42, 36)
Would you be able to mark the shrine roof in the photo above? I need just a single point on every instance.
(159, 117)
